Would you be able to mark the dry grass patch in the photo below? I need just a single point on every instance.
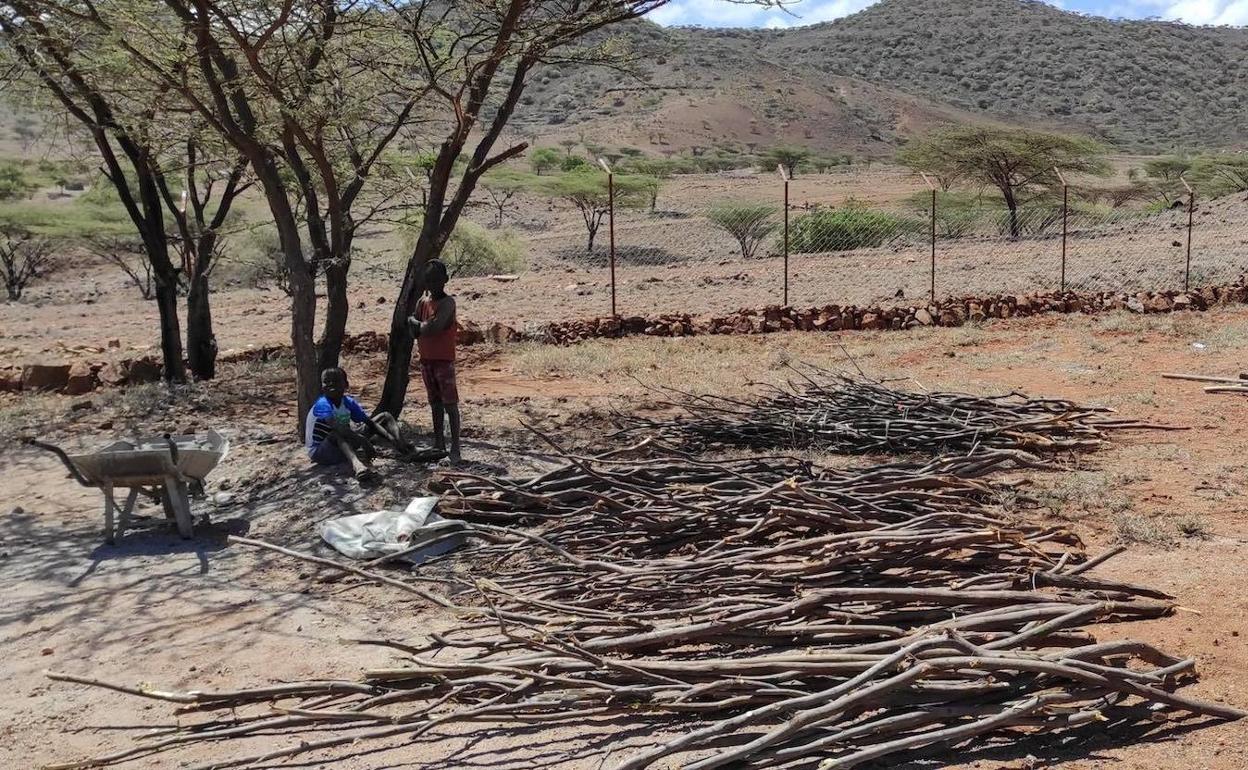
(1192, 526)
(1134, 528)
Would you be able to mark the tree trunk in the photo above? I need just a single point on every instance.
(302, 287)
(201, 342)
(302, 323)
(592, 229)
(1012, 205)
(170, 333)
(399, 351)
(336, 311)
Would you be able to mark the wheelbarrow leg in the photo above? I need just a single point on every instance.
(177, 493)
(109, 535)
(123, 521)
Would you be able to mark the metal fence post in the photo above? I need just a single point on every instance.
(784, 175)
(1065, 220)
(610, 227)
(932, 186)
(1191, 218)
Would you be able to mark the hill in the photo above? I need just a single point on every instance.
(865, 82)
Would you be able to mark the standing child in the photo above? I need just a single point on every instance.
(437, 331)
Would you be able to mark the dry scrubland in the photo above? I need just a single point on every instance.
(672, 260)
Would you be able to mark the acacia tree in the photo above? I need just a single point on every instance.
(587, 191)
(51, 56)
(748, 223)
(1166, 174)
(149, 147)
(786, 156)
(544, 159)
(478, 57)
(1019, 163)
(199, 220)
(309, 93)
(501, 186)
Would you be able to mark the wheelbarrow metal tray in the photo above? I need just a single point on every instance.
(147, 461)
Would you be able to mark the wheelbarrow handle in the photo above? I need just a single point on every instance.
(56, 450)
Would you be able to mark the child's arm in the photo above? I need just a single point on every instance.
(357, 412)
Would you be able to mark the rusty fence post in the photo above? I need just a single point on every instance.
(610, 228)
(1191, 219)
(932, 187)
(1065, 222)
(784, 175)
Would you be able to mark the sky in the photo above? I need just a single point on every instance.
(720, 13)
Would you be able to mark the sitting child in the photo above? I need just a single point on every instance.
(330, 435)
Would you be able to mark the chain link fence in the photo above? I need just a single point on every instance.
(715, 244)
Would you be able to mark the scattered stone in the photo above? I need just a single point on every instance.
(142, 370)
(81, 380)
(501, 333)
(45, 376)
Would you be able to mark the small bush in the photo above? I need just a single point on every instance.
(475, 250)
(847, 228)
(748, 223)
(14, 181)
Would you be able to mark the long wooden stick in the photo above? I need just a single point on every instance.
(1202, 378)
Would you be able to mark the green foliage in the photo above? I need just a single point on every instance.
(748, 223)
(1019, 163)
(72, 220)
(789, 157)
(544, 159)
(14, 181)
(473, 249)
(1217, 175)
(574, 163)
(852, 226)
(589, 188)
(958, 214)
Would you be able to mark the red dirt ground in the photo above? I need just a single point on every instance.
(198, 614)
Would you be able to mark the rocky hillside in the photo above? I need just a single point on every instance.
(865, 82)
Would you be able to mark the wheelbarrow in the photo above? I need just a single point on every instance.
(164, 468)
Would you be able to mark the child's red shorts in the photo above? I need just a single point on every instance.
(439, 377)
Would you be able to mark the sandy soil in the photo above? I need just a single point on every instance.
(198, 614)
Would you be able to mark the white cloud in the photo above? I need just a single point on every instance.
(720, 13)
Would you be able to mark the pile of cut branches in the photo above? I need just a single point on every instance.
(854, 415)
(753, 613)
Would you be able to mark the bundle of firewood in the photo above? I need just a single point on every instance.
(761, 612)
(839, 413)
